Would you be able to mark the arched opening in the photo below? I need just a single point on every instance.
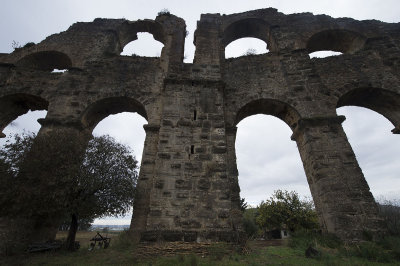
(276, 108)
(267, 159)
(142, 38)
(367, 130)
(245, 46)
(46, 60)
(247, 28)
(15, 105)
(126, 128)
(334, 42)
(109, 106)
(122, 118)
(26, 123)
(384, 102)
(145, 45)
(376, 150)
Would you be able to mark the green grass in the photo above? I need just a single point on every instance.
(304, 239)
(333, 252)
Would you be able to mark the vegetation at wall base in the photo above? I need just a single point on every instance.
(282, 211)
(389, 210)
(292, 252)
(286, 210)
(386, 250)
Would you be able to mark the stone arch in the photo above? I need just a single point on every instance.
(384, 102)
(276, 108)
(248, 27)
(338, 40)
(129, 30)
(286, 113)
(100, 109)
(14, 105)
(46, 60)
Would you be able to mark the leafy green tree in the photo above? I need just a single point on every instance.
(102, 184)
(12, 154)
(249, 222)
(106, 182)
(83, 224)
(285, 209)
(243, 204)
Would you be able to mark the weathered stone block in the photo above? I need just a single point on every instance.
(217, 167)
(219, 124)
(167, 194)
(159, 184)
(204, 136)
(205, 157)
(167, 123)
(178, 155)
(224, 196)
(172, 236)
(190, 224)
(192, 166)
(199, 150)
(155, 213)
(218, 149)
(217, 137)
(219, 185)
(176, 166)
(183, 184)
(184, 122)
(206, 124)
(182, 195)
(204, 184)
(223, 214)
(163, 155)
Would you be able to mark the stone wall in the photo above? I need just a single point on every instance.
(188, 185)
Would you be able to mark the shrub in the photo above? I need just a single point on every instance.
(164, 11)
(124, 240)
(249, 222)
(370, 251)
(286, 209)
(250, 51)
(218, 250)
(390, 211)
(391, 243)
(367, 235)
(15, 45)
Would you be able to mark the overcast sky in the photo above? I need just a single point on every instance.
(267, 158)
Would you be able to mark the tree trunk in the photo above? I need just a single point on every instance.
(72, 233)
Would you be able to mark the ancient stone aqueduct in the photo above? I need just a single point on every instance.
(188, 182)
